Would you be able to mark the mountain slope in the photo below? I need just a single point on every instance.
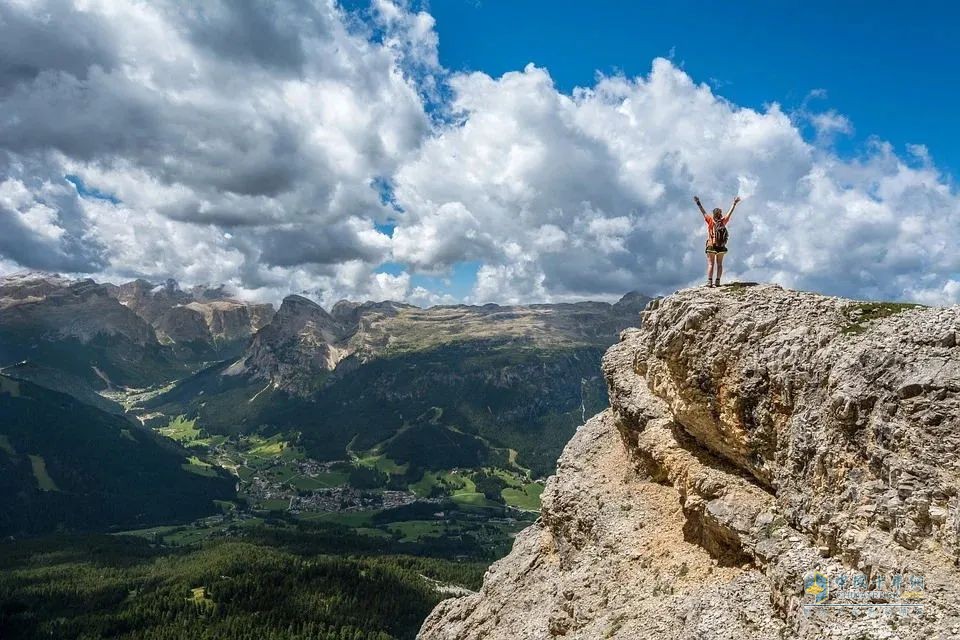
(519, 378)
(201, 323)
(76, 327)
(765, 452)
(66, 465)
(297, 347)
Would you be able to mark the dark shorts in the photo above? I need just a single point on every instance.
(712, 249)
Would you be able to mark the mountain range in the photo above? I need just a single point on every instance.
(410, 391)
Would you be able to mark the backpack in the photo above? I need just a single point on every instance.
(720, 234)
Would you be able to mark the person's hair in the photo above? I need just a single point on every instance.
(718, 211)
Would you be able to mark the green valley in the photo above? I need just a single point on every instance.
(262, 586)
(358, 464)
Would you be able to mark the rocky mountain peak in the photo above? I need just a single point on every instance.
(302, 333)
(633, 300)
(57, 307)
(765, 451)
(34, 286)
(202, 315)
(349, 313)
(208, 293)
(301, 342)
(294, 303)
(296, 312)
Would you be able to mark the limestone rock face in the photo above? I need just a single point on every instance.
(56, 308)
(147, 300)
(303, 342)
(182, 324)
(232, 319)
(297, 345)
(199, 315)
(350, 313)
(755, 436)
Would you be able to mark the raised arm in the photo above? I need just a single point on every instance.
(702, 210)
(726, 218)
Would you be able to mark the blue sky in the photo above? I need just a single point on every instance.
(890, 67)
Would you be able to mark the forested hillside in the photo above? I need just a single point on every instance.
(259, 587)
(67, 465)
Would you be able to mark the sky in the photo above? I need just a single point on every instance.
(477, 151)
(886, 65)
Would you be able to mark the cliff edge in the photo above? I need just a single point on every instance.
(773, 464)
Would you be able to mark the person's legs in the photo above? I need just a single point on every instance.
(710, 258)
(719, 266)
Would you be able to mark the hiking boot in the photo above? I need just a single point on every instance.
(709, 282)
(718, 283)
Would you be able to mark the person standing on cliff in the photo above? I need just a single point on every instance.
(717, 236)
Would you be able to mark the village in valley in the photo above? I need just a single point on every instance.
(278, 484)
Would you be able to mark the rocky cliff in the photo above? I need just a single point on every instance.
(201, 315)
(298, 345)
(773, 464)
(75, 336)
(303, 343)
(61, 308)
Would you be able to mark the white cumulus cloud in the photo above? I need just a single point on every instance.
(590, 194)
(264, 145)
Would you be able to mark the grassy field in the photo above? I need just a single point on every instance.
(6, 446)
(519, 492)
(472, 498)
(277, 504)
(199, 467)
(324, 480)
(382, 463)
(527, 497)
(268, 449)
(423, 486)
(446, 480)
(209, 442)
(149, 532)
(184, 537)
(283, 472)
(859, 314)
(44, 481)
(415, 530)
(469, 495)
(181, 430)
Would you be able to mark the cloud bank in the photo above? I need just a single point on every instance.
(293, 146)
